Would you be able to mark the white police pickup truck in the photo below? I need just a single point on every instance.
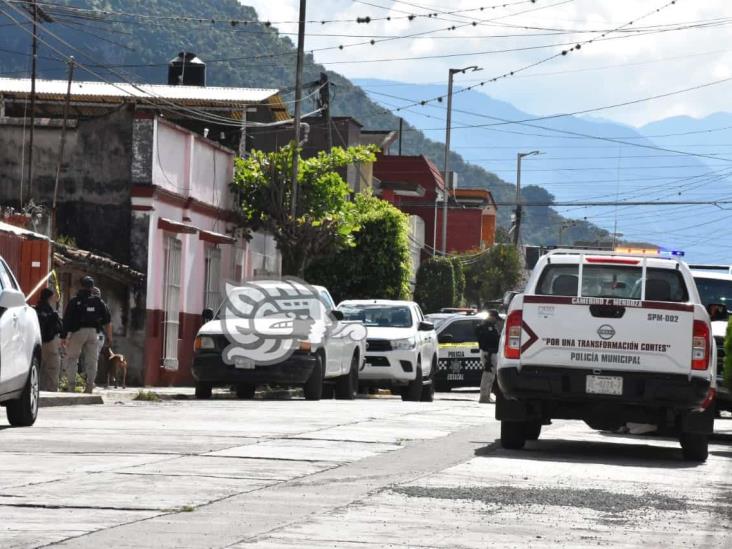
(608, 339)
(278, 332)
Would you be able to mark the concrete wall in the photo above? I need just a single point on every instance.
(94, 185)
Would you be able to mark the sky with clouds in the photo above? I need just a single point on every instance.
(653, 56)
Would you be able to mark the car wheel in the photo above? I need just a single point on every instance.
(313, 388)
(694, 446)
(203, 391)
(347, 386)
(532, 430)
(428, 389)
(513, 436)
(23, 411)
(413, 391)
(245, 390)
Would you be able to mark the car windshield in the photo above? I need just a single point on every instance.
(713, 290)
(392, 316)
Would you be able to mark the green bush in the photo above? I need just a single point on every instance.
(378, 264)
(436, 286)
(728, 355)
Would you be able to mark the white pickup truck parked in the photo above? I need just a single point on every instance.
(278, 333)
(401, 349)
(608, 339)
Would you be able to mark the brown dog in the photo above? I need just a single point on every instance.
(117, 364)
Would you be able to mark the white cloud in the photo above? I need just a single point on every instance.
(541, 94)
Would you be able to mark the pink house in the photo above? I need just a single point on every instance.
(185, 216)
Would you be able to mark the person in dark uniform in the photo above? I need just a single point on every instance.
(51, 328)
(85, 317)
(489, 334)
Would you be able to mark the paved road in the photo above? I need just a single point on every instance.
(370, 473)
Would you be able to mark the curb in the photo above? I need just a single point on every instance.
(68, 399)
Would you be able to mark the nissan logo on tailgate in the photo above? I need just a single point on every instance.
(606, 331)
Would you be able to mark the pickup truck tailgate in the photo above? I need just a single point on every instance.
(607, 334)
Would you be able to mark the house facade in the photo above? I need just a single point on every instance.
(143, 204)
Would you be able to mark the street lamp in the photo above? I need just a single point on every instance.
(517, 222)
(446, 198)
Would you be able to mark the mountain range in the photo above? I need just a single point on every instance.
(134, 40)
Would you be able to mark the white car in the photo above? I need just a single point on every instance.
(327, 355)
(401, 346)
(609, 339)
(20, 352)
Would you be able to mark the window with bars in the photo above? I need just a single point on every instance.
(171, 323)
(212, 286)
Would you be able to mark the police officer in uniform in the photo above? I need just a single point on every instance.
(85, 317)
(51, 328)
(489, 334)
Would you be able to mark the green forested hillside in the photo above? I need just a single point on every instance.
(239, 52)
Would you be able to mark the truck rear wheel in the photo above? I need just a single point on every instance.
(346, 387)
(513, 435)
(532, 430)
(694, 446)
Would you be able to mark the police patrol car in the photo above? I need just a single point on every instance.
(460, 360)
(608, 338)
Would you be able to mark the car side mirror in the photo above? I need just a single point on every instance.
(425, 326)
(11, 298)
(207, 315)
(717, 311)
(338, 315)
(445, 338)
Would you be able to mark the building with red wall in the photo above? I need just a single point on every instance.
(416, 186)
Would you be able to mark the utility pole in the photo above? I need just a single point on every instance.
(325, 105)
(298, 105)
(517, 221)
(401, 129)
(62, 146)
(34, 58)
(447, 178)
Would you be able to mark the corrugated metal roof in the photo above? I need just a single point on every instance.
(8, 228)
(56, 89)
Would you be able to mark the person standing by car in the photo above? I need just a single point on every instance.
(51, 328)
(489, 333)
(85, 317)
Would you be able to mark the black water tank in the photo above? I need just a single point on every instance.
(187, 70)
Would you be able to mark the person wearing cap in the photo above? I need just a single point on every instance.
(489, 334)
(51, 328)
(85, 317)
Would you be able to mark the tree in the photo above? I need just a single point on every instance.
(325, 218)
(435, 286)
(378, 264)
(457, 266)
(492, 273)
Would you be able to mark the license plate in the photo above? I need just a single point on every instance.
(455, 377)
(243, 363)
(605, 385)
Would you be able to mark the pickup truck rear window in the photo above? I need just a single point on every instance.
(613, 281)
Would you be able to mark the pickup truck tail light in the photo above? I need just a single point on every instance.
(700, 346)
(512, 343)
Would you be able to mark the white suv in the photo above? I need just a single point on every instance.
(20, 351)
(401, 346)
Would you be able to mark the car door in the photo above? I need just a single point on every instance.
(13, 363)
(334, 346)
